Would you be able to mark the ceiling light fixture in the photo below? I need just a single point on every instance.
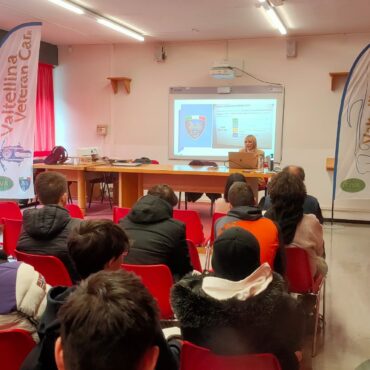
(99, 18)
(67, 5)
(119, 28)
(273, 16)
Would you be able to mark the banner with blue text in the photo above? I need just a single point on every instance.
(19, 56)
(352, 155)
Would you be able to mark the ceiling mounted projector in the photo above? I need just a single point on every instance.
(222, 71)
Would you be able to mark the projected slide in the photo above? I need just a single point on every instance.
(213, 127)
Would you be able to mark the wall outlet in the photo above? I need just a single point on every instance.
(102, 130)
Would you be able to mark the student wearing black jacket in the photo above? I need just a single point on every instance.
(156, 237)
(94, 246)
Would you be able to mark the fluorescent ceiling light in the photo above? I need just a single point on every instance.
(117, 27)
(67, 5)
(276, 21)
(273, 17)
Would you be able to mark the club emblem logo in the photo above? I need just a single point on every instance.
(195, 126)
(24, 183)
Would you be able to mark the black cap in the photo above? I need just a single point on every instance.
(236, 254)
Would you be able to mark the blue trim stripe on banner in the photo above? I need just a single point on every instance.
(340, 116)
(17, 28)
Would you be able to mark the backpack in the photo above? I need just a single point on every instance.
(58, 155)
(143, 160)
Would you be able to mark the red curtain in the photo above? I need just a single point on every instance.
(45, 125)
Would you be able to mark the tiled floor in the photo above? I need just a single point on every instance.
(346, 343)
(347, 337)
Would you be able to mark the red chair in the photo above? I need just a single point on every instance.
(15, 345)
(194, 256)
(52, 268)
(120, 212)
(75, 211)
(12, 230)
(301, 281)
(10, 210)
(198, 358)
(194, 227)
(158, 280)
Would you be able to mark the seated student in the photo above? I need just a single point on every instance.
(93, 246)
(109, 322)
(288, 194)
(45, 230)
(222, 205)
(156, 237)
(310, 205)
(23, 296)
(244, 308)
(244, 214)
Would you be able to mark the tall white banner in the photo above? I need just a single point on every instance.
(352, 154)
(19, 56)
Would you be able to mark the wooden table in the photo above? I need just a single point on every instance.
(72, 173)
(133, 180)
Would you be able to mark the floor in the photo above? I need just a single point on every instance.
(346, 343)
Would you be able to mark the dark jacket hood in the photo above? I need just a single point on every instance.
(46, 222)
(245, 213)
(150, 209)
(193, 307)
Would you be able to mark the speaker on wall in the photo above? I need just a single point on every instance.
(291, 48)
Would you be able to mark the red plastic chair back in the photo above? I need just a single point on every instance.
(215, 217)
(198, 358)
(15, 345)
(12, 230)
(75, 211)
(52, 268)
(194, 227)
(10, 210)
(298, 271)
(120, 212)
(194, 256)
(158, 280)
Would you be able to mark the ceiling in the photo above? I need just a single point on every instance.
(181, 20)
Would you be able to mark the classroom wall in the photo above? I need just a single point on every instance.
(138, 122)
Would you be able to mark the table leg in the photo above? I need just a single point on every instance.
(130, 187)
(81, 191)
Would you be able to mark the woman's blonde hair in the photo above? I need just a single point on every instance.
(254, 140)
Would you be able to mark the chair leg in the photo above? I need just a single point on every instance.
(91, 193)
(317, 315)
(179, 204)
(102, 191)
(107, 185)
(186, 202)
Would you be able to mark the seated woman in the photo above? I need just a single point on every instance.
(250, 146)
(222, 205)
(23, 296)
(244, 308)
(288, 193)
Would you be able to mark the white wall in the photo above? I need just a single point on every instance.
(138, 122)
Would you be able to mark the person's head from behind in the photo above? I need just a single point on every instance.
(51, 188)
(295, 170)
(234, 177)
(241, 194)
(236, 254)
(287, 191)
(108, 322)
(164, 192)
(250, 143)
(97, 245)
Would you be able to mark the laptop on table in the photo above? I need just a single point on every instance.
(243, 160)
